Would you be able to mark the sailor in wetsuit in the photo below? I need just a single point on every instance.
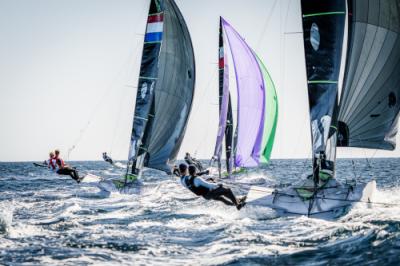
(64, 169)
(190, 160)
(50, 161)
(208, 190)
(176, 172)
(107, 158)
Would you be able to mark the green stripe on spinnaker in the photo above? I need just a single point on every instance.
(270, 115)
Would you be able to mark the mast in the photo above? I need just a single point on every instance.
(225, 127)
(147, 81)
(165, 90)
(323, 30)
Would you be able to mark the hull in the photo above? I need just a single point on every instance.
(331, 201)
(117, 186)
(90, 178)
(113, 186)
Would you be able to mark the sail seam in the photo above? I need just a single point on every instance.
(357, 94)
(142, 118)
(152, 14)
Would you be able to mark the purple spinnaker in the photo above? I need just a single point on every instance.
(251, 100)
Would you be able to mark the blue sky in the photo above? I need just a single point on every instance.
(69, 71)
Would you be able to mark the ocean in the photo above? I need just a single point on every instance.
(47, 219)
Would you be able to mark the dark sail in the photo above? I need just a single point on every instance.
(323, 28)
(164, 103)
(229, 142)
(225, 127)
(370, 102)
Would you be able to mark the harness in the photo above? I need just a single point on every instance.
(199, 191)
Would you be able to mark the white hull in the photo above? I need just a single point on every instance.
(331, 202)
(90, 178)
(112, 186)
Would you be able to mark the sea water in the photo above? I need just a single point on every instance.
(47, 219)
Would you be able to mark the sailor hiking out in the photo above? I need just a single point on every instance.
(56, 163)
(207, 189)
(107, 158)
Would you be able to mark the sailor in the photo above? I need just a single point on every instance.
(175, 171)
(51, 162)
(107, 158)
(208, 190)
(190, 160)
(64, 169)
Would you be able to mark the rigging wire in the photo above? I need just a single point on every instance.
(136, 58)
(212, 80)
(108, 89)
(96, 107)
(266, 24)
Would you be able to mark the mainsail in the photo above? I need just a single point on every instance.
(369, 106)
(165, 91)
(256, 123)
(368, 113)
(323, 29)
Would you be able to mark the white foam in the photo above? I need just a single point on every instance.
(6, 215)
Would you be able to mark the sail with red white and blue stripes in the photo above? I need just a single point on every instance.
(165, 89)
(154, 30)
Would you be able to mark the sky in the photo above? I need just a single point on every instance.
(69, 71)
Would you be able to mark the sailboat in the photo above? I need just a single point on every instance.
(257, 106)
(360, 37)
(164, 95)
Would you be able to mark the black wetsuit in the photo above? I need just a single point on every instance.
(69, 171)
(176, 172)
(209, 190)
(108, 159)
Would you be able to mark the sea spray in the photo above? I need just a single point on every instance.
(6, 214)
